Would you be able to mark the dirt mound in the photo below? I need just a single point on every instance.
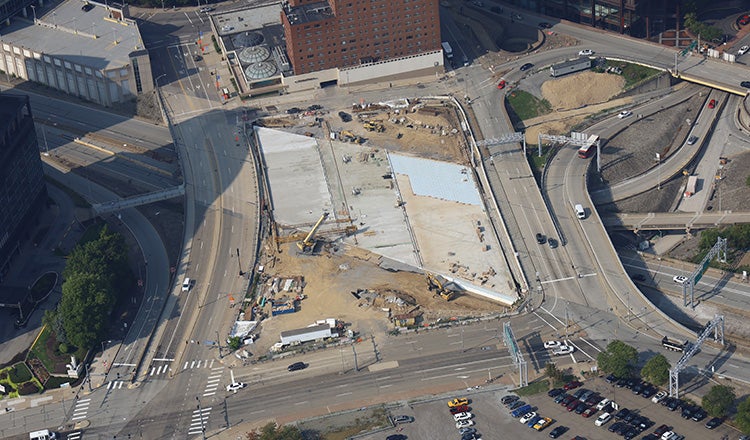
(581, 89)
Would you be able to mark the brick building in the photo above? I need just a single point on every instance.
(341, 33)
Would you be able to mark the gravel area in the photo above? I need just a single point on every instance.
(632, 151)
(581, 89)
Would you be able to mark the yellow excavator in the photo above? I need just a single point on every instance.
(308, 243)
(437, 284)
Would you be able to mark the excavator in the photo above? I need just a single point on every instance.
(308, 243)
(437, 284)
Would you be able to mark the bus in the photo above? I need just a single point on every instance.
(589, 148)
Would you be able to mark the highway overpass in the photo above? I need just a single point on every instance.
(674, 220)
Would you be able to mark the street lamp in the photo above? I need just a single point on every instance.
(33, 10)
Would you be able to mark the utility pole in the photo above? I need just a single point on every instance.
(566, 321)
(200, 415)
(218, 343)
(658, 171)
(356, 366)
(238, 261)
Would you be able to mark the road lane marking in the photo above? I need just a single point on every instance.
(545, 321)
(344, 394)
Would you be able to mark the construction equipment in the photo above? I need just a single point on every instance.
(438, 284)
(308, 244)
(374, 126)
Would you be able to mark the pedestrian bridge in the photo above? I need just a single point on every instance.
(674, 220)
(141, 199)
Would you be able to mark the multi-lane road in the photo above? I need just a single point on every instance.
(180, 386)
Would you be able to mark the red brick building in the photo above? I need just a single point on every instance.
(339, 33)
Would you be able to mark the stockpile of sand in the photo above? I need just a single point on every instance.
(581, 89)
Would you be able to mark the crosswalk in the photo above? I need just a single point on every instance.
(115, 384)
(212, 384)
(80, 409)
(199, 420)
(160, 369)
(74, 435)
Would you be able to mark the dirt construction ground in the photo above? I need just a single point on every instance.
(330, 277)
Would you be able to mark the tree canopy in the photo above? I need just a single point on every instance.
(718, 400)
(618, 358)
(656, 370)
(742, 419)
(698, 28)
(95, 275)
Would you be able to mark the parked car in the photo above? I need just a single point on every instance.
(458, 402)
(403, 419)
(542, 423)
(572, 385)
(621, 414)
(533, 421)
(464, 424)
(648, 391)
(699, 415)
(674, 404)
(462, 416)
(572, 405)
(314, 107)
(517, 404)
(544, 25)
(611, 378)
(528, 416)
(509, 399)
(586, 53)
(744, 19)
(563, 349)
(585, 395)
(590, 411)
(463, 431)
(567, 400)
(526, 67)
(293, 110)
(297, 366)
(662, 429)
(396, 437)
(554, 392)
(659, 396)
(206, 9)
(459, 409)
(713, 423)
(560, 397)
(616, 426)
(558, 431)
(345, 117)
(581, 407)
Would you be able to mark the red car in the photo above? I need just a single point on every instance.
(501, 84)
(460, 409)
(745, 19)
(572, 405)
(589, 412)
(571, 385)
(712, 103)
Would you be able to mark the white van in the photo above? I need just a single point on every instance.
(580, 212)
(44, 434)
(186, 284)
(604, 418)
(600, 406)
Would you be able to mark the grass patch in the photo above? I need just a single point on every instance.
(527, 106)
(378, 419)
(55, 382)
(78, 201)
(533, 388)
(39, 349)
(19, 373)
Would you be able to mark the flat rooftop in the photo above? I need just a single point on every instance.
(422, 213)
(64, 30)
(309, 13)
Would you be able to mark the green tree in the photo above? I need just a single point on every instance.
(656, 370)
(618, 358)
(698, 28)
(555, 375)
(54, 321)
(742, 420)
(719, 400)
(235, 342)
(271, 431)
(85, 307)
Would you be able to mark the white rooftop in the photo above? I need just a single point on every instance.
(87, 38)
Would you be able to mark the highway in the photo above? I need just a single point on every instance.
(578, 281)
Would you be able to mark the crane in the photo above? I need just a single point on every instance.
(308, 243)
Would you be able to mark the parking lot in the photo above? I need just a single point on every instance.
(493, 421)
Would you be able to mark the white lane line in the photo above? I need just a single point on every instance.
(545, 321)
(344, 394)
(301, 403)
(557, 280)
(592, 345)
(550, 314)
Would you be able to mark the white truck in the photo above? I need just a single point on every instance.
(447, 49)
(44, 434)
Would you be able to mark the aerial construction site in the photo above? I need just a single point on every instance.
(382, 232)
